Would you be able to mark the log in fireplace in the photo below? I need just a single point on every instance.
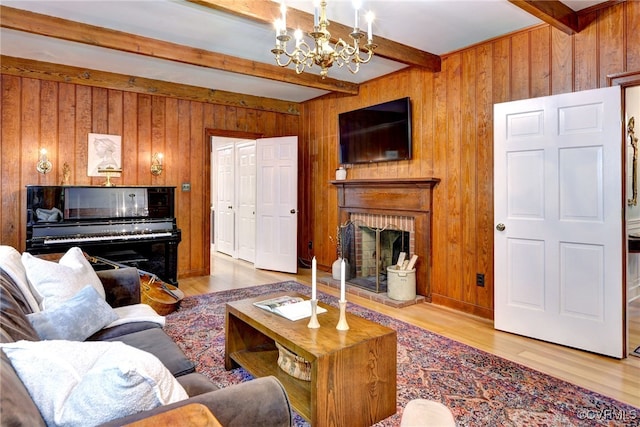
(396, 198)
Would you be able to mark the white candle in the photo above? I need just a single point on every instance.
(283, 11)
(370, 17)
(356, 6)
(298, 36)
(313, 278)
(316, 16)
(342, 283)
(276, 25)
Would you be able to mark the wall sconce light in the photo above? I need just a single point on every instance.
(156, 164)
(44, 165)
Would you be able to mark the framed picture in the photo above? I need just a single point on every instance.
(105, 152)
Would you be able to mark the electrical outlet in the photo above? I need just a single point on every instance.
(480, 279)
(310, 244)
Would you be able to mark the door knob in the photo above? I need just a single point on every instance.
(292, 211)
(500, 227)
(229, 207)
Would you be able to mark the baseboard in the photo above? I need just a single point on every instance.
(462, 306)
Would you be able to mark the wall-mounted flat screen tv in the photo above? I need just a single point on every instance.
(378, 133)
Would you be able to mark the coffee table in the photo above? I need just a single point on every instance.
(353, 372)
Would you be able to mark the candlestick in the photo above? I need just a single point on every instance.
(313, 278)
(342, 281)
(342, 322)
(313, 322)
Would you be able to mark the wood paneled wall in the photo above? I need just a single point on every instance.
(453, 137)
(58, 116)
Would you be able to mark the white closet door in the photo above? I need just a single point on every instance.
(246, 197)
(225, 190)
(277, 204)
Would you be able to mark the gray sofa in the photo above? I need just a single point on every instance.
(260, 402)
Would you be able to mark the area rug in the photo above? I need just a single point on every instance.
(480, 389)
(636, 352)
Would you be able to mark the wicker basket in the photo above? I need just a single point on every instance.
(293, 364)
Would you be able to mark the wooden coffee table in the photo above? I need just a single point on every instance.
(353, 373)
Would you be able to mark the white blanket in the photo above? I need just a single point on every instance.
(136, 313)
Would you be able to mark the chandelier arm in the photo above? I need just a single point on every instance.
(283, 64)
(362, 60)
(355, 69)
(345, 50)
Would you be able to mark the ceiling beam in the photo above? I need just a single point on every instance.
(87, 77)
(267, 11)
(553, 12)
(35, 23)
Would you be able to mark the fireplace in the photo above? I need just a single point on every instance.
(371, 243)
(381, 218)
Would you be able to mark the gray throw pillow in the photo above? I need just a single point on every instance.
(75, 319)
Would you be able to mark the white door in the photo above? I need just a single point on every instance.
(246, 196)
(225, 190)
(277, 204)
(559, 220)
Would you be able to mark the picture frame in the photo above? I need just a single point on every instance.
(104, 152)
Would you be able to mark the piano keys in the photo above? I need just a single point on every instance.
(134, 226)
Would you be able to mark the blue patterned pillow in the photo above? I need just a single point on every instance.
(75, 319)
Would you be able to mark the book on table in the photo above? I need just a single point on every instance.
(292, 308)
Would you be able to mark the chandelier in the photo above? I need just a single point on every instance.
(322, 53)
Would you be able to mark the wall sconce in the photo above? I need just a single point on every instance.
(44, 165)
(156, 164)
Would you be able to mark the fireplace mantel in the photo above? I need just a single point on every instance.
(400, 196)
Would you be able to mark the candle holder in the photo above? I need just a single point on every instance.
(313, 322)
(109, 171)
(342, 322)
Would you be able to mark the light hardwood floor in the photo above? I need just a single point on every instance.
(619, 379)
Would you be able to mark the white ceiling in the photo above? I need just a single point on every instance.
(435, 26)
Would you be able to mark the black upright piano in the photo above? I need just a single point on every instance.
(133, 226)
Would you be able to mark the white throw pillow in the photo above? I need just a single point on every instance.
(10, 262)
(56, 282)
(90, 383)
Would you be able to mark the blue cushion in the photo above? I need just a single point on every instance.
(75, 319)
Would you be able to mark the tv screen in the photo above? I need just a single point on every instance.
(378, 133)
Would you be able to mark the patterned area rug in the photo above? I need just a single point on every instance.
(481, 389)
